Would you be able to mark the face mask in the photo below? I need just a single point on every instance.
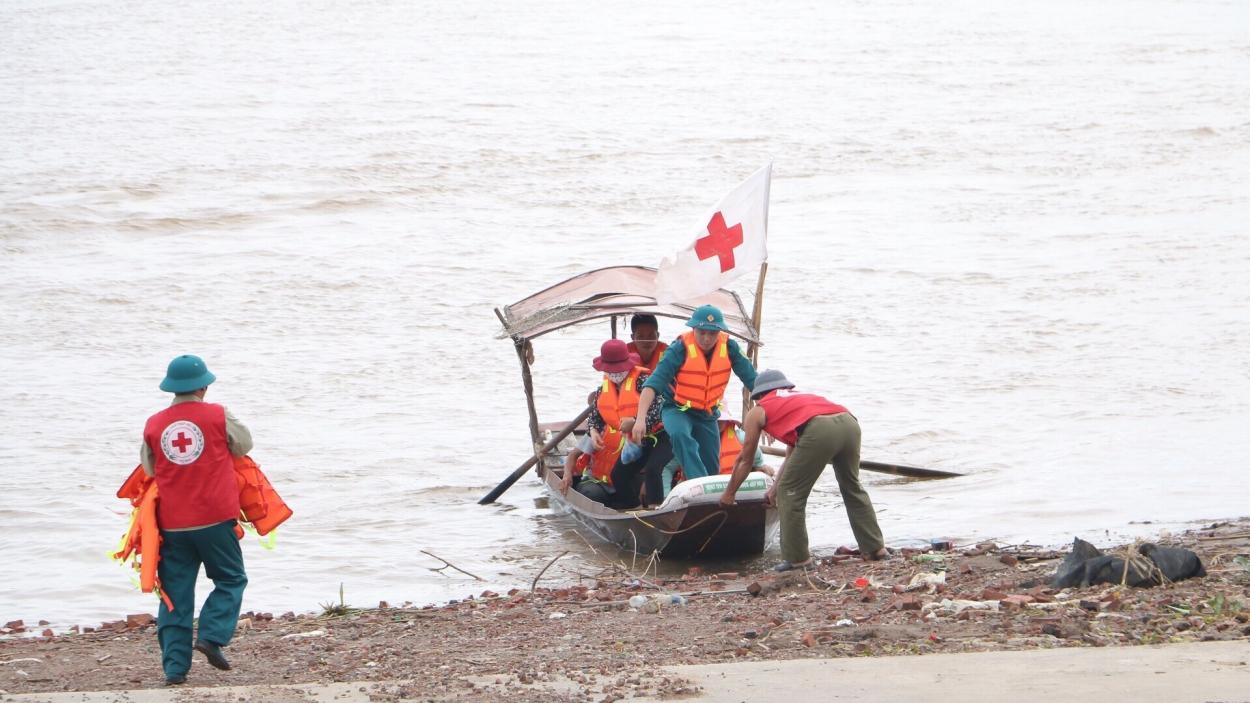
(618, 376)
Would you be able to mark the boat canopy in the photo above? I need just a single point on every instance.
(617, 290)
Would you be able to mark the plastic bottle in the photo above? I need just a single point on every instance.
(630, 452)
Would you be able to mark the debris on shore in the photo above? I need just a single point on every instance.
(603, 639)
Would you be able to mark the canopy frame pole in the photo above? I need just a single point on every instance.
(527, 381)
(753, 349)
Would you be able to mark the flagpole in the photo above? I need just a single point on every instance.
(753, 349)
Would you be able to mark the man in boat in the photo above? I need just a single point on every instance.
(614, 408)
(188, 449)
(731, 438)
(816, 432)
(644, 330)
(692, 377)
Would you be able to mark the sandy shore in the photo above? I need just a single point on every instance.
(513, 646)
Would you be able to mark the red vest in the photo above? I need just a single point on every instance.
(785, 410)
(194, 468)
(660, 348)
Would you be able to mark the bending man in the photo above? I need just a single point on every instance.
(816, 432)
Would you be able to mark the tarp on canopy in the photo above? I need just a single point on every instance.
(617, 290)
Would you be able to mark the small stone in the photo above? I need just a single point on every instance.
(139, 620)
(15, 626)
(1018, 599)
(992, 594)
(1009, 559)
(808, 639)
(43, 623)
(383, 605)
(754, 589)
(909, 602)
(751, 634)
(48, 633)
(1090, 605)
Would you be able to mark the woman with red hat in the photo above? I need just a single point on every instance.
(604, 476)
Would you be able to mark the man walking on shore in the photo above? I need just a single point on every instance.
(188, 449)
(815, 431)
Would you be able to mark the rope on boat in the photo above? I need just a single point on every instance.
(722, 514)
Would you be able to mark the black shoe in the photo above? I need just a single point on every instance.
(214, 655)
(788, 566)
(175, 680)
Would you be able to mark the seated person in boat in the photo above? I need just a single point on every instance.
(731, 438)
(614, 407)
(645, 331)
(690, 381)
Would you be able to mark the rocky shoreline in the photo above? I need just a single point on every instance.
(604, 636)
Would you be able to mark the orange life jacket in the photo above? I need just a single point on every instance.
(143, 539)
(614, 406)
(260, 505)
(700, 384)
(730, 447)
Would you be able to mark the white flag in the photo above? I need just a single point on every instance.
(729, 240)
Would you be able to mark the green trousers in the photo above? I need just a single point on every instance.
(825, 439)
(218, 550)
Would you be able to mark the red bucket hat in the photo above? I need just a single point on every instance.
(615, 356)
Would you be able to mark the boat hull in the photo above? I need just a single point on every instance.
(683, 528)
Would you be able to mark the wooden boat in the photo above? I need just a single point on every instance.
(691, 522)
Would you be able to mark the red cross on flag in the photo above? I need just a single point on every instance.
(728, 241)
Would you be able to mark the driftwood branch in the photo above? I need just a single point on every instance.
(448, 564)
(534, 583)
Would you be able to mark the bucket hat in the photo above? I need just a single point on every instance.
(707, 317)
(186, 373)
(769, 380)
(615, 356)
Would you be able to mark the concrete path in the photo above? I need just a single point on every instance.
(1204, 672)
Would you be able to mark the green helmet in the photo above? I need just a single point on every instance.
(707, 317)
(187, 373)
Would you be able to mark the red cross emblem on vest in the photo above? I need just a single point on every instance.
(182, 442)
(719, 242)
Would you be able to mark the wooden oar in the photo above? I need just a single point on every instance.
(896, 469)
(520, 470)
